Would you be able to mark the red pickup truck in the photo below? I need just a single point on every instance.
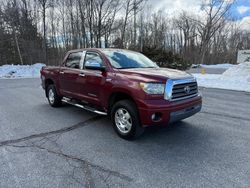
(126, 85)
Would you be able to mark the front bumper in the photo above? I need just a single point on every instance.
(169, 111)
(185, 113)
(42, 81)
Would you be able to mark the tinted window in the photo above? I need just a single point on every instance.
(123, 59)
(93, 58)
(73, 60)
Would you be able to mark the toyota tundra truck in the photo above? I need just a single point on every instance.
(123, 84)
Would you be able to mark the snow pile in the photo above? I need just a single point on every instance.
(20, 71)
(240, 72)
(219, 66)
(235, 78)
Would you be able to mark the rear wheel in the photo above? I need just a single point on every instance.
(53, 98)
(125, 119)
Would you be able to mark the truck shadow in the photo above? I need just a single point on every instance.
(185, 140)
(186, 137)
(180, 132)
(186, 143)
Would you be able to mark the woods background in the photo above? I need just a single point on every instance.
(41, 31)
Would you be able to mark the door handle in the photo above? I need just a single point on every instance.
(82, 74)
(61, 72)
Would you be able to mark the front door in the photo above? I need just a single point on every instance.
(95, 79)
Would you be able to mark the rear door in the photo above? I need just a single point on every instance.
(95, 79)
(70, 74)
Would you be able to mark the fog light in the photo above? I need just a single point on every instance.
(153, 117)
(156, 116)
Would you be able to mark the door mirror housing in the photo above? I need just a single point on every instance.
(94, 65)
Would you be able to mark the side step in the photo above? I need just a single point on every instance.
(68, 101)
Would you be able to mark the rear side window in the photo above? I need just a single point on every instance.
(92, 57)
(73, 60)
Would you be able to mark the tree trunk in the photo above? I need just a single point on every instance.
(134, 42)
(44, 34)
(90, 23)
(99, 42)
(18, 48)
(124, 28)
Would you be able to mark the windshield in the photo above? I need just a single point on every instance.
(122, 59)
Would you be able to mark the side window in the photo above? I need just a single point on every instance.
(93, 59)
(73, 60)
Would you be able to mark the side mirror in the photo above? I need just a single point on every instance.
(94, 65)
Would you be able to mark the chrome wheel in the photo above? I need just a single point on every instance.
(123, 120)
(51, 96)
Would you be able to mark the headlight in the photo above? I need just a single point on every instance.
(153, 88)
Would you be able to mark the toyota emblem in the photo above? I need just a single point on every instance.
(187, 89)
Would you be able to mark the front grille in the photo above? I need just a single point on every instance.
(185, 90)
(181, 89)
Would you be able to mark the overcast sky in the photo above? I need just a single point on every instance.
(240, 10)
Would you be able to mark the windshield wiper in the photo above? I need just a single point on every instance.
(136, 67)
(128, 67)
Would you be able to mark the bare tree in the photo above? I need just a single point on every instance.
(69, 24)
(215, 13)
(11, 16)
(90, 18)
(131, 6)
(44, 4)
(82, 6)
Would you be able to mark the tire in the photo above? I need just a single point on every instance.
(125, 119)
(52, 96)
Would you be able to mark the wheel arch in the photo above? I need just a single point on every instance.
(48, 82)
(118, 96)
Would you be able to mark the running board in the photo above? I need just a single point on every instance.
(68, 101)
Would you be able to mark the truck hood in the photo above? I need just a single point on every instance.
(154, 74)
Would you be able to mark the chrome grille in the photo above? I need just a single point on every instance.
(184, 90)
(181, 89)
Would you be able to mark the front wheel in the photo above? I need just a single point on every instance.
(53, 98)
(125, 119)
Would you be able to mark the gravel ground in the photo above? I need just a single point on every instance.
(67, 147)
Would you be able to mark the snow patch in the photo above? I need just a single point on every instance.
(219, 66)
(21, 71)
(235, 78)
